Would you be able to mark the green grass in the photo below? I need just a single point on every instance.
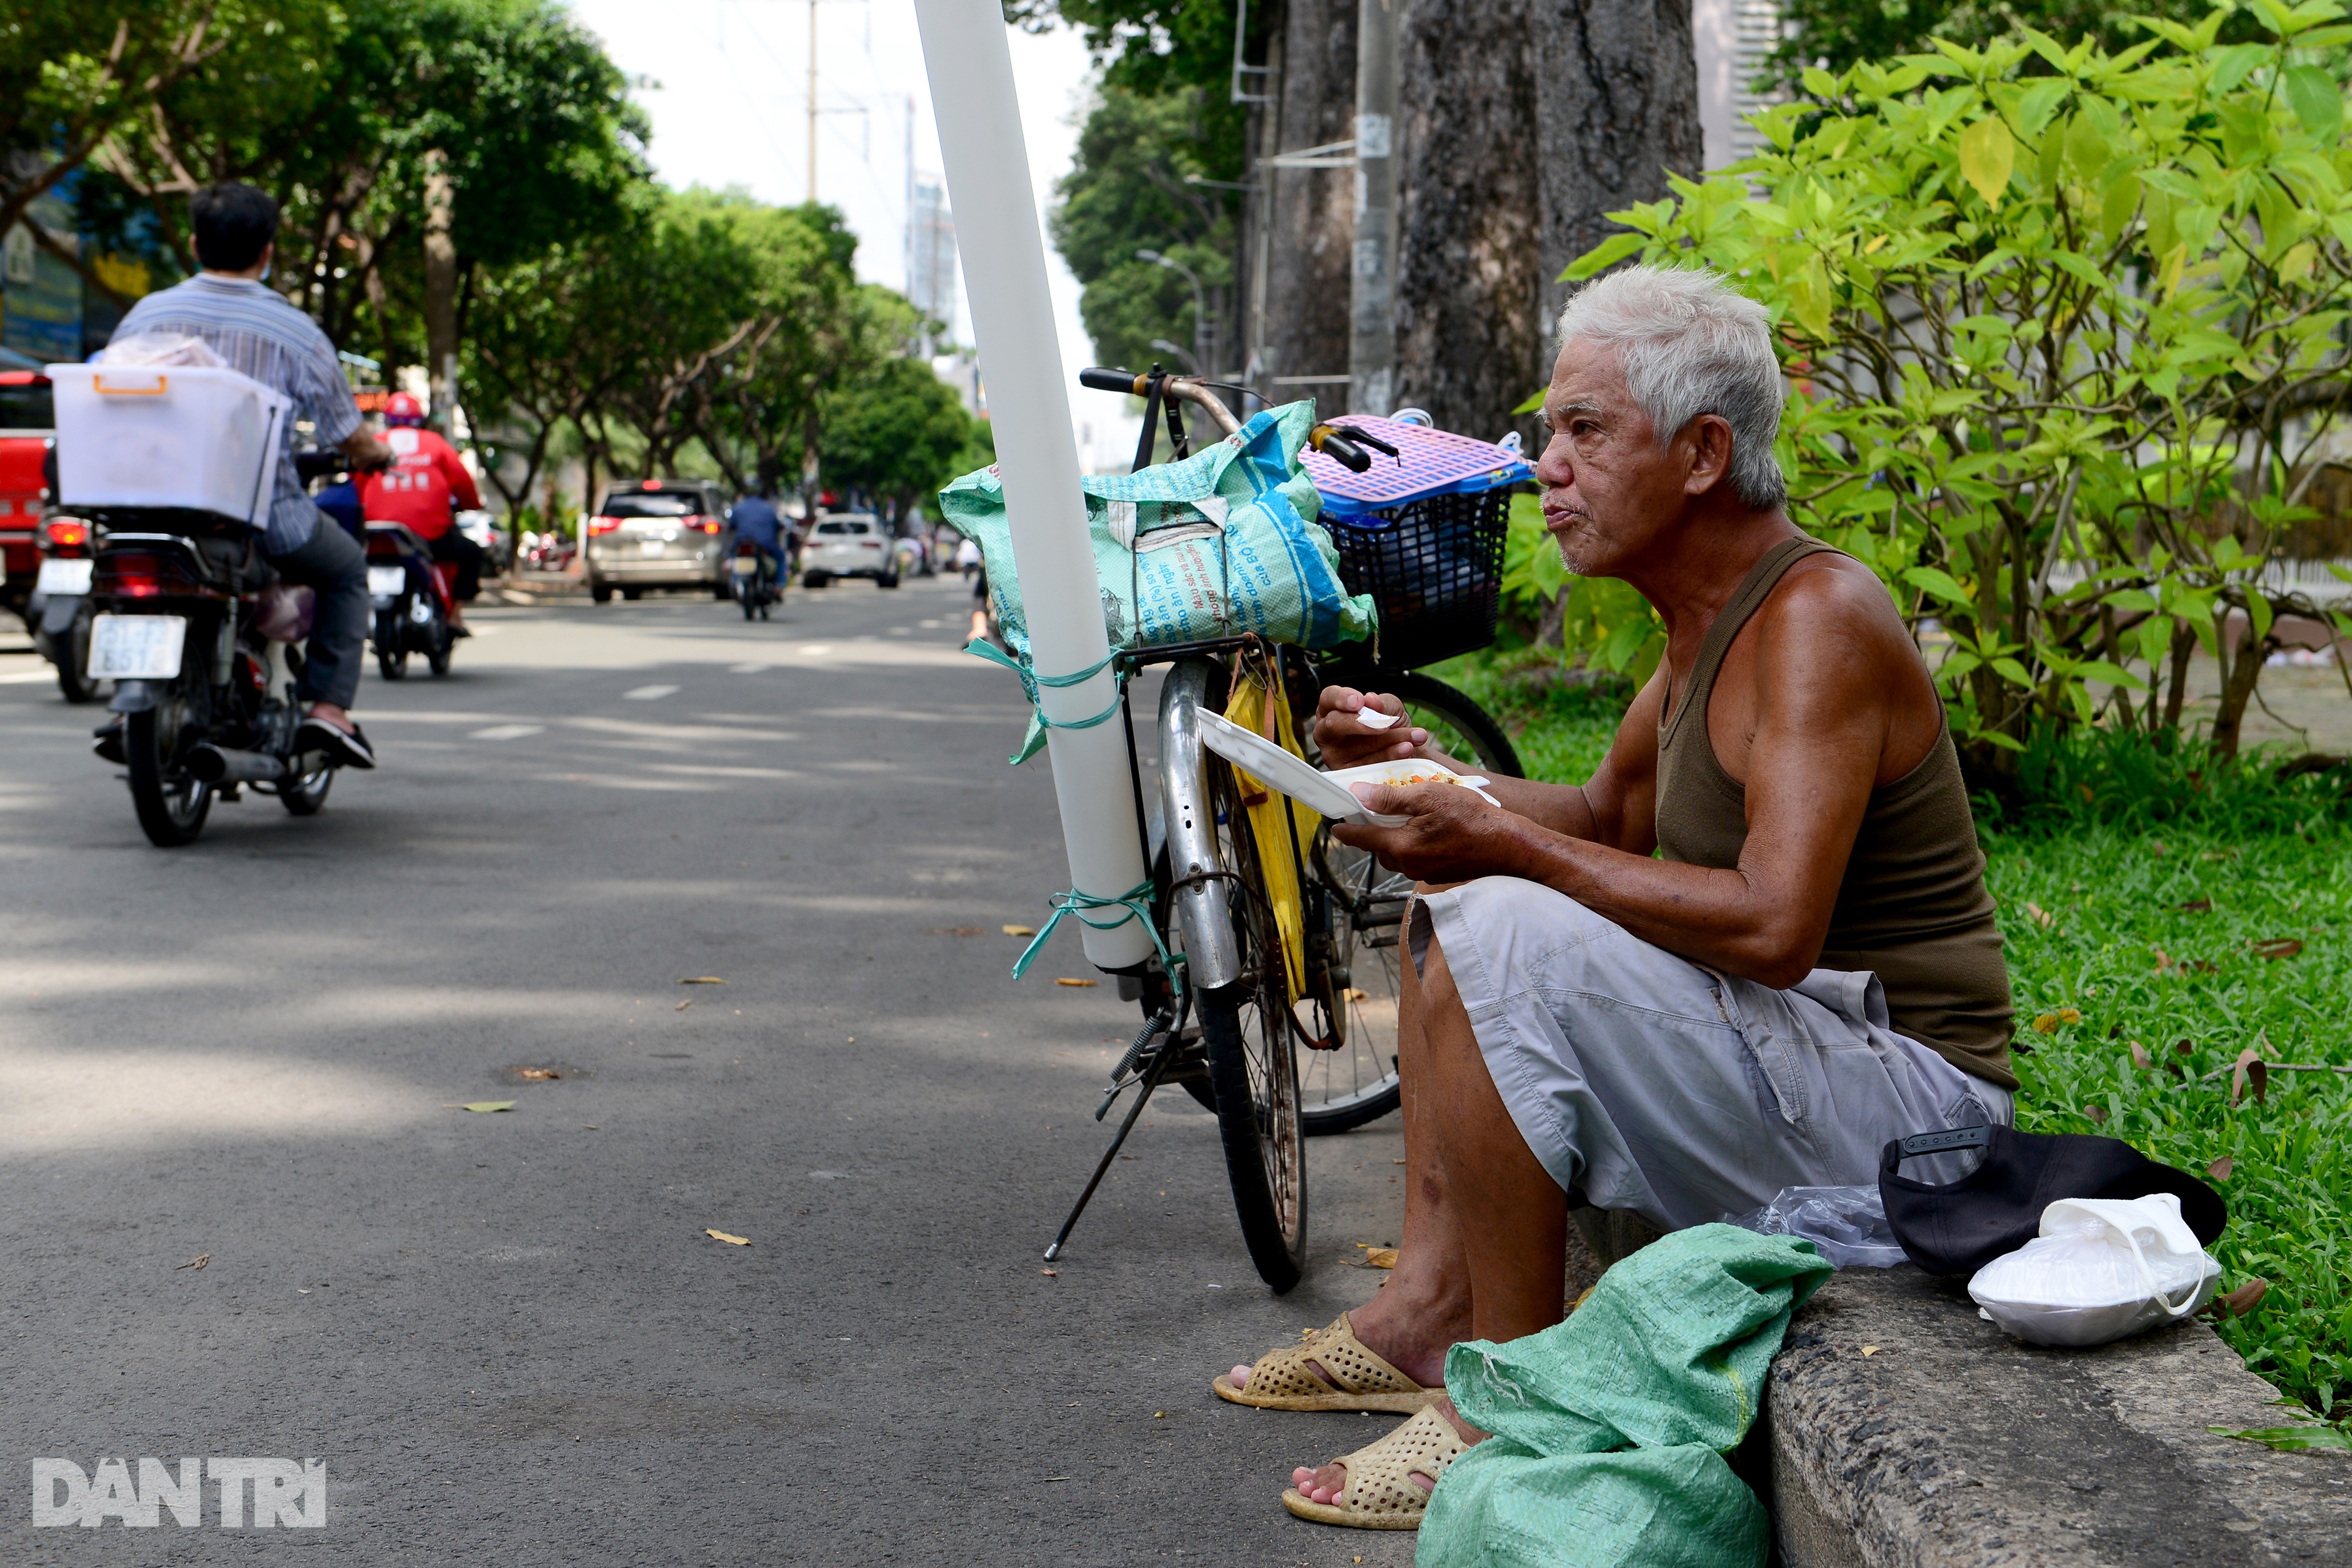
(2108, 840)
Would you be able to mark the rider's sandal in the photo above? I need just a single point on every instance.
(1354, 1379)
(1380, 1493)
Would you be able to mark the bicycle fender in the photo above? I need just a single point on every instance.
(1203, 907)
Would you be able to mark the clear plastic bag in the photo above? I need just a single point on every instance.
(1847, 1223)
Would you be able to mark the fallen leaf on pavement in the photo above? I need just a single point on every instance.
(2279, 948)
(198, 1262)
(702, 980)
(488, 1105)
(1378, 1256)
(1060, 981)
(537, 1074)
(953, 931)
(1870, 1350)
(1050, 1273)
(730, 1240)
(683, 1006)
(1021, 931)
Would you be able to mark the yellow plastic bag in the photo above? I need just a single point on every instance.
(1277, 861)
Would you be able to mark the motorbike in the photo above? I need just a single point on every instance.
(413, 599)
(60, 610)
(205, 645)
(412, 595)
(755, 584)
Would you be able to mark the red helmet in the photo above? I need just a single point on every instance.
(402, 409)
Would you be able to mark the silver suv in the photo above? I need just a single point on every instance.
(660, 533)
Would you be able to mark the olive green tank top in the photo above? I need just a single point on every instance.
(1913, 907)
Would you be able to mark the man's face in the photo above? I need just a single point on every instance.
(1609, 487)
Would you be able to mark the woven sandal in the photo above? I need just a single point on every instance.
(1356, 1379)
(1380, 1493)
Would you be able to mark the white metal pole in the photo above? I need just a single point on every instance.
(978, 111)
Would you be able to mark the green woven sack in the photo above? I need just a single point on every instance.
(1610, 1429)
(1221, 543)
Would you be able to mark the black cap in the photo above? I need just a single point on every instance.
(1959, 1228)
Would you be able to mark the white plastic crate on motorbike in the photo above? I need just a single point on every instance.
(186, 436)
(1221, 543)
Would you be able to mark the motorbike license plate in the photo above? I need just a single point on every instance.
(136, 647)
(388, 581)
(745, 568)
(66, 578)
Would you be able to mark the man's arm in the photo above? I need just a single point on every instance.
(1822, 712)
(366, 453)
(461, 483)
(1613, 807)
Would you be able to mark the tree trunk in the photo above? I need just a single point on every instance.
(1314, 220)
(1510, 157)
(2184, 647)
(1617, 108)
(2239, 679)
(440, 287)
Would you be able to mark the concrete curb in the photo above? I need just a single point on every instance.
(1951, 1443)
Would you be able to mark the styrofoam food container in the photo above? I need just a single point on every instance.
(167, 435)
(1325, 793)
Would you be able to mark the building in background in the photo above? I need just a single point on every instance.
(40, 303)
(931, 262)
(1732, 38)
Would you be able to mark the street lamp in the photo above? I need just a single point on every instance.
(1200, 304)
(1165, 347)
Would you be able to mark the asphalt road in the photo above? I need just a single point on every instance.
(507, 1334)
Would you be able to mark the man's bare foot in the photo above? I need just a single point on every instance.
(1325, 1484)
(1412, 1336)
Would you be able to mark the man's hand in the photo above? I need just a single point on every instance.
(1453, 835)
(366, 453)
(1347, 741)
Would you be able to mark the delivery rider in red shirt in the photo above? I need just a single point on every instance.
(419, 488)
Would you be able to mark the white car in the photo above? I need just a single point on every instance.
(848, 544)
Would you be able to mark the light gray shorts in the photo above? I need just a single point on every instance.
(1643, 1082)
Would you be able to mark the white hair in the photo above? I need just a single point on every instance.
(1689, 344)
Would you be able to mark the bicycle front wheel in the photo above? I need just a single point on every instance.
(1246, 1034)
(1354, 1080)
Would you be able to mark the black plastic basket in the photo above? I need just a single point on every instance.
(1433, 567)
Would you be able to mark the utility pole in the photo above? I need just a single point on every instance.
(1371, 340)
(440, 289)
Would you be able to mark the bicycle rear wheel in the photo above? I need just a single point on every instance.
(1361, 922)
(1246, 1034)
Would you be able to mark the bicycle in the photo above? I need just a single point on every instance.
(1232, 1033)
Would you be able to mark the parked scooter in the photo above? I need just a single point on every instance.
(755, 584)
(60, 609)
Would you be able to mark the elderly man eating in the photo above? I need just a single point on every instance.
(1753, 947)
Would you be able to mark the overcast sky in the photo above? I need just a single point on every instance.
(728, 100)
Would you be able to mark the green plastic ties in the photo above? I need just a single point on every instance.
(1135, 904)
(1034, 740)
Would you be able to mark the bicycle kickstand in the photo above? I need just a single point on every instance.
(1161, 1059)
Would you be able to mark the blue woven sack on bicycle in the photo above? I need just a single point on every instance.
(1221, 543)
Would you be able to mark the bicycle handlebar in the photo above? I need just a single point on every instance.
(1339, 448)
(1103, 380)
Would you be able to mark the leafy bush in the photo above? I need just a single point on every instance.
(2065, 347)
(2094, 776)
